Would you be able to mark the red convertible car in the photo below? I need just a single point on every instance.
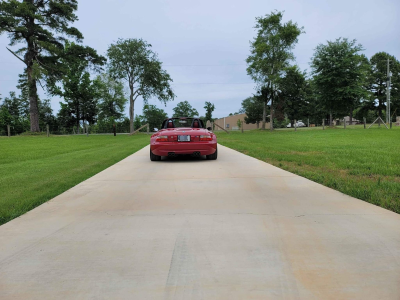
(183, 136)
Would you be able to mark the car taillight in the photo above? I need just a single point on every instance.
(205, 138)
(162, 138)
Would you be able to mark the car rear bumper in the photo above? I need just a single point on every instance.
(163, 148)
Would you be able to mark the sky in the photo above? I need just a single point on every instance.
(203, 45)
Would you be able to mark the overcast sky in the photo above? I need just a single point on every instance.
(203, 44)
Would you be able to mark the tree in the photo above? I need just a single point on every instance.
(65, 116)
(271, 52)
(184, 109)
(239, 123)
(78, 90)
(340, 74)
(46, 116)
(293, 92)
(17, 108)
(112, 99)
(15, 111)
(209, 107)
(153, 116)
(315, 110)
(42, 26)
(253, 108)
(378, 83)
(138, 122)
(80, 95)
(134, 61)
(5, 119)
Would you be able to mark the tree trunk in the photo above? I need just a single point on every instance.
(131, 110)
(33, 101)
(258, 124)
(271, 116)
(32, 88)
(264, 116)
(291, 123)
(330, 119)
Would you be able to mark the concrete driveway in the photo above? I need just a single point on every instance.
(235, 228)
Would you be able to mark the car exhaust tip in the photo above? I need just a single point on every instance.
(196, 154)
(171, 154)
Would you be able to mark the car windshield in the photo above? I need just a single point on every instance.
(179, 123)
(183, 123)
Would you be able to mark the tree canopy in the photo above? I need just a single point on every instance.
(112, 98)
(253, 108)
(209, 107)
(43, 27)
(292, 89)
(340, 73)
(271, 52)
(377, 83)
(79, 91)
(153, 116)
(184, 109)
(134, 61)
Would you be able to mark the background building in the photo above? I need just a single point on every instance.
(231, 123)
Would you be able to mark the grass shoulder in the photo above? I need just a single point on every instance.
(35, 169)
(361, 163)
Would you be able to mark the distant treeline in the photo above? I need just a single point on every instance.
(96, 89)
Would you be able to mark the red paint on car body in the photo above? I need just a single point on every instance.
(172, 145)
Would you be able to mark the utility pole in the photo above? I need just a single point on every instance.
(388, 92)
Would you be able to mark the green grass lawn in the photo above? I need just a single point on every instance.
(33, 170)
(361, 163)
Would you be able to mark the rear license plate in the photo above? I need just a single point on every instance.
(183, 138)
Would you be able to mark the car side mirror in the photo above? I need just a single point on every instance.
(209, 128)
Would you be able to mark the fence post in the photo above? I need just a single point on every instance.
(8, 130)
(47, 129)
(344, 122)
(295, 125)
(114, 130)
(365, 123)
(323, 124)
(242, 126)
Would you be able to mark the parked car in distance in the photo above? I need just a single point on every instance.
(298, 124)
(183, 136)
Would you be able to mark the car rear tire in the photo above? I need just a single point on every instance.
(154, 157)
(213, 156)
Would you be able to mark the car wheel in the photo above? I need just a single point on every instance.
(213, 156)
(154, 157)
